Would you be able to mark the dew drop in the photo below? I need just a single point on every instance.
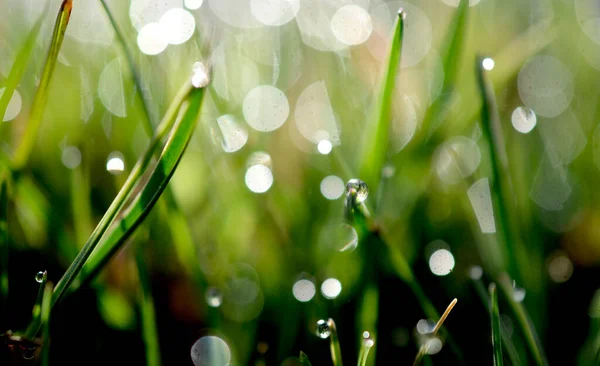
(523, 119)
(359, 187)
(200, 78)
(323, 330)
(434, 345)
(519, 294)
(39, 277)
(214, 297)
(28, 353)
(367, 341)
(402, 13)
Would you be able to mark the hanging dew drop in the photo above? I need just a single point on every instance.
(323, 329)
(39, 277)
(214, 297)
(367, 340)
(359, 187)
(402, 13)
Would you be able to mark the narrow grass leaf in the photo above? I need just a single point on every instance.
(304, 359)
(133, 178)
(36, 313)
(45, 318)
(149, 331)
(20, 64)
(495, 316)
(142, 204)
(367, 343)
(423, 350)
(375, 145)
(41, 96)
(336, 350)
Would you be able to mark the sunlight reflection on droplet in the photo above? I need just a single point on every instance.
(71, 157)
(153, 38)
(331, 288)
(546, 85)
(332, 187)
(523, 119)
(304, 290)
(210, 350)
(488, 63)
(324, 147)
(266, 108)
(481, 201)
(193, 4)
(14, 106)
(323, 330)
(359, 187)
(441, 262)
(352, 25)
(110, 88)
(214, 297)
(274, 12)
(179, 25)
(115, 164)
(560, 267)
(234, 133)
(200, 77)
(259, 178)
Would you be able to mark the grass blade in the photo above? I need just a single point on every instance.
(304, 359)
(41, 96)
(425, 347)
(452, 57)
(36, 314)
(21, 61)
(366, 344)
(143, 203)
(533, 341)
(495, 316)
(375, 147)
(45, 318)
(135, 175)
(336, 351)
(149, 331)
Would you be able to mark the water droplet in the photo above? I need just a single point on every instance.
(323, 330)
(214, 297)
(331, 288)
(425, 326)
(367, 341)
(523, 119)
(402, 13)
(28, 353)
(115, 164)
(488, 63)
(434, 345)
(441, 262)
(358, 186)
(304, 290)
(39, 277)
(200, 77)
(210, 350)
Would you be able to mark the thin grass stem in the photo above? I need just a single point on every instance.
(336, 351)
(495, 317)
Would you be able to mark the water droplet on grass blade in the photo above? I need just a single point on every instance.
(39, 277)
(323, 329)
(200, 77)
(359, 187)
(214, 297)
(367, 341)
(523, 119)
(433, 345)
(402, 13)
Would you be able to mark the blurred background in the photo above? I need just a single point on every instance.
(249, 247)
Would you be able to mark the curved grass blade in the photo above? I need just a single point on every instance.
(45, 318)
(375, 146)
(41, 96)
(304, 359)
(142, 204)
(149, 331)
(134, 177)
(21, 61)
(425, 347)
(452, 56)
(533, 341)
(36, 313)
(336, 351)
(366, 344)
(495, 316)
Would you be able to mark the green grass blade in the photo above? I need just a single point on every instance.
(45, 318)
(135, 175)
(157, 182)
(21, 61)
(451, 56)
(369, 312)
(304, 359)
(501, 184)
(495, 316)
(4, 246)
(375, 146)
(334, 345)
(424, 348)
(149, 331)
(41, 96)
(366, 344)
(533, 341)
(36, 314)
